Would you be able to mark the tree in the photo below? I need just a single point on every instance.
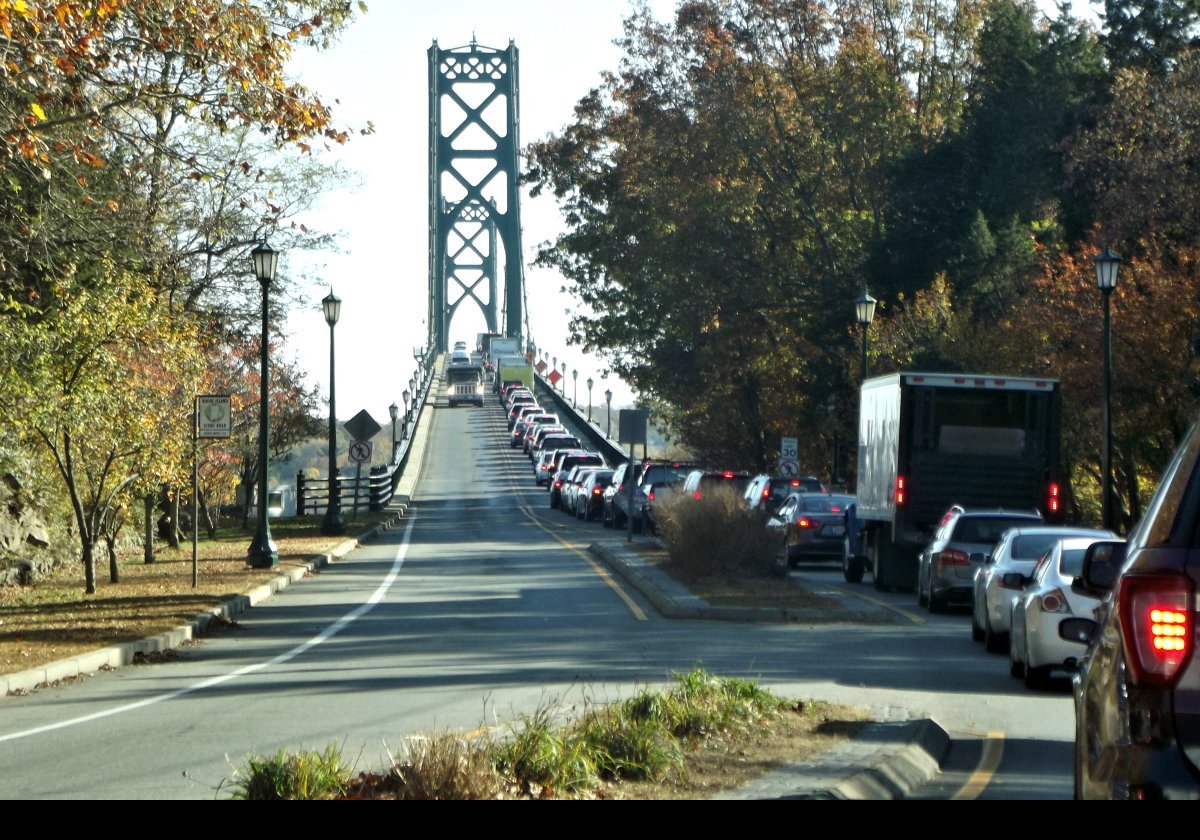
(92, 392)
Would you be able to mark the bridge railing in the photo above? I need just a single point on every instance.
(591, 430)
(373, 491)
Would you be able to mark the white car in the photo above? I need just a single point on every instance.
(1017, 551)
(1035, 650)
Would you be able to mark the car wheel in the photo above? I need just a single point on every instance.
(936, 601)
(1036, 677)
(1016, 668)
(994, 642)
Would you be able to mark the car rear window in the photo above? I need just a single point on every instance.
(983, 529)
(1032, 547)
(665, 473)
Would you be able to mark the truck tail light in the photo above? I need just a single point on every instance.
(1157, 621)
(1053, 502)
(901, 489)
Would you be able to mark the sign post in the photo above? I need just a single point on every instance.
(360, 451)
(211, 418)
(631, 429)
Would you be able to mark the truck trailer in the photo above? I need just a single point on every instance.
(928, 441)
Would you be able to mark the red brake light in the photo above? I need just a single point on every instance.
(804, 522)
(1157, 624)
(727, 475)
(696, 495)
(766, 493)
(953, 557)
(1052, 500)
(650, 495)
(900, 489)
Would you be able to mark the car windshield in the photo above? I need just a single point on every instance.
(471, 375)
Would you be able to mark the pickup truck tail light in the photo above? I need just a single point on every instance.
(1158, 623)
(1053, 500)
(901, 490)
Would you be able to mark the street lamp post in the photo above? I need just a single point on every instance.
(562, 388)
(1106, 280)
(589, 384)
(394, 413)
(262, 553)
(575, 389)
(608, 413)
(864, 312)
(332, 524)
(405, 395)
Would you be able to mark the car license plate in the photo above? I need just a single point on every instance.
(833, 530)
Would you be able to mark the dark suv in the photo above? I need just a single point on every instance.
(961, 545)
(1137, 690)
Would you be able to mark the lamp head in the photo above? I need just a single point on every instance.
(332, 304)
(264, 263)
(864, 308)
(1107, 264)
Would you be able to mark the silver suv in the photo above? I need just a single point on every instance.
(961, 545)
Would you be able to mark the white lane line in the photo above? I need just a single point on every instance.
(324, 636)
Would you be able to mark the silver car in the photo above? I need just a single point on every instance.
(1017, 551)
(963, 540)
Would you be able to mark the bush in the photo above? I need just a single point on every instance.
(445, 767)
(293, 776)
(539, 760)
(713, 535)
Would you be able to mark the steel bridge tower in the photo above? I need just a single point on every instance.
(474, 201)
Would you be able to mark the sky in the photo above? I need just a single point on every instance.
(378, 72)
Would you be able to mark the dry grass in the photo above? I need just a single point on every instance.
(53, 619)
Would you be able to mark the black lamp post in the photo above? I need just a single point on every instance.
(262, 553)
(864, 312)
(332, 524)
(1106, 280)
(589, 384)
(608, 414)
(405, 395)
(394, 413)
(575, 389)
(562, 389)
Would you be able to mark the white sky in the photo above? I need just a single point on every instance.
(379, 72)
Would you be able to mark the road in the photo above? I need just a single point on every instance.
(483, 607)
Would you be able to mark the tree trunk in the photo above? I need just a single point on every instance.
(148, 537)
(89, 563)
(114, 571)
(173, 515)
(210, 523)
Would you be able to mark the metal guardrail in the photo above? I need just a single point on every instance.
(595, 436)
(375, 489)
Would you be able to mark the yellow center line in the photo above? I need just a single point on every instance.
(915, 618)
(989, 762)
(600, 570)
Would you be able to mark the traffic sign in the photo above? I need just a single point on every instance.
(360, 451)
(362, 426)
(789, 468)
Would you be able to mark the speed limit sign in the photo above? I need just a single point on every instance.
(789, 457)
(360, 451)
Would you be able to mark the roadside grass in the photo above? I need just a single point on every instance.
(656, 744)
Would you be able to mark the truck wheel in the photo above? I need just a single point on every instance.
(880, 574)
(852, 567)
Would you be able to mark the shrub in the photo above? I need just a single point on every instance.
(293, 776)
(639, 749)
(713, 535)
(540, 760)
(444, 767)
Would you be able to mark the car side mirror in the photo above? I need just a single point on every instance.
(1101, 564)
